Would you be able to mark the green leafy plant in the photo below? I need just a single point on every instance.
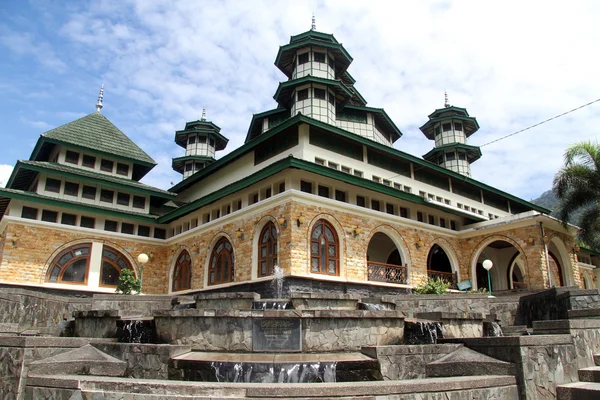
(432, 286)
(128, 282)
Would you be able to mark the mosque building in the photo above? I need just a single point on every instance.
(317, 190)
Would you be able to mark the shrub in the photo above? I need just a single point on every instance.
(128, 282)
(432, 286)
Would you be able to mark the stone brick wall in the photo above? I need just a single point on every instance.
(543, 362)
(28, 309)
(27, 261)
(144, 361)
(408, 361)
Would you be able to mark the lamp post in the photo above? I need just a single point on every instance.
(142, 259)
(488, 264)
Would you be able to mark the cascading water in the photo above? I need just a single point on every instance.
(278, 281)
(245, 372)
(494, 329)
(423, 332)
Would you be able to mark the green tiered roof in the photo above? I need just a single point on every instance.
(95, 132)
(451, 112)
(200, 126)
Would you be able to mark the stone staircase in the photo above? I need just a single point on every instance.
(588, 387)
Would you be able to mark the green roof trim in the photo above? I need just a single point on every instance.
(313, 34)
(299, 118)
(291, 162)
(282, 95)
(382, 118)
(54, 202)
(84, 175)
(255, 127)
(178, 163)
(473, 152)
(97, 133)
(450, 109)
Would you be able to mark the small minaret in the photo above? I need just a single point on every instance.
(200, 139)
(450, 127)
(100, 97)
(313, 26)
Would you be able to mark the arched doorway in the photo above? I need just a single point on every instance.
(556, 270)
(516, 274)
(384, 260)
(439, 266)
(508, 266)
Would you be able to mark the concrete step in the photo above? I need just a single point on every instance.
(589, 374)
(578, 391)
(516, 330)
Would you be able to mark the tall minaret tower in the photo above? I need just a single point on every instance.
(318, 84)
(200, 139)
(450, 127)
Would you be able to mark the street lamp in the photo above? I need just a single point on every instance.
(142, 259)
(488, 264)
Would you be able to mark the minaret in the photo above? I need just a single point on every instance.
(450, 127)
(100, 97)
(200, 139)
(318, 84)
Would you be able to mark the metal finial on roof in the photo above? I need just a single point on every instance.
(203, 114)
(313, 26)
(100, 97)
(446, 103)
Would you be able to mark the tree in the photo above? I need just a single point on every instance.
(577, 185)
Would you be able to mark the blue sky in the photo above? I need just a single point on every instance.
(511, 64)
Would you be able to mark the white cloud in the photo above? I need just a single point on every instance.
(509, 63)
(5, 171)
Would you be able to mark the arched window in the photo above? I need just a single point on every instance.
(182, 274)
(112, 264)
(267, 250)
(71, 265)
(221, 269)
(324, 249)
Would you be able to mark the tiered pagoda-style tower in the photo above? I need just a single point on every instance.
(450, 127)
(200, 139)
(320, 87)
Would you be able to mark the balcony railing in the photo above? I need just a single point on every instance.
(450, 277)
(387, 273)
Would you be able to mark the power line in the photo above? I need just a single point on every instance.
(540, 123)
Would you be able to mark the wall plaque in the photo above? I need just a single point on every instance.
(276, 334)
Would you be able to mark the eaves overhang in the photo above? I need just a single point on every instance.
(72, 205)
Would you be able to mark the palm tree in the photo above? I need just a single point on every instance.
(577, 186)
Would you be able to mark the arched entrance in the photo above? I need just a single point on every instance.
(516, 273)
(508, 270)
(556, 270)
(439, 266)
(384, 261)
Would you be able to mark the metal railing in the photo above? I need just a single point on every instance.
(450, 277)
(387, 272)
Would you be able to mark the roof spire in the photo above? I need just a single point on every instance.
(313, 26)
(446, 103)
(100, 97)
(203, 114)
